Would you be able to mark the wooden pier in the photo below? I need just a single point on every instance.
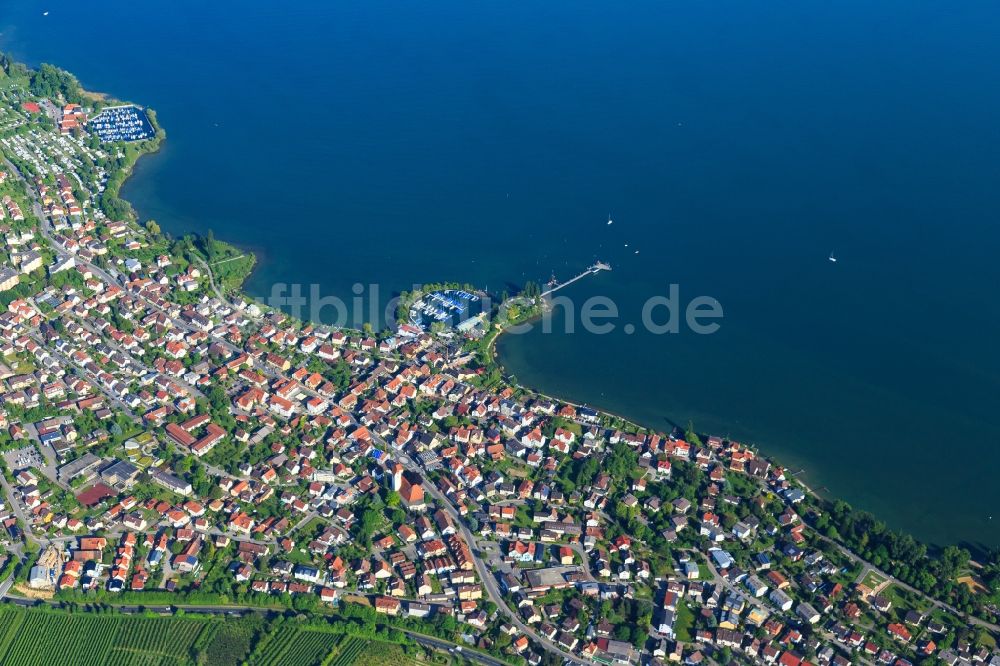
(592, 270)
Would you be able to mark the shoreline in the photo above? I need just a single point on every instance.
(706, 466)
(604, 410)
(823, 494)
(238, 291)
(130, 173)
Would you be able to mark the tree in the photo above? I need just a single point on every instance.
(12, 67)
(622, 462)
(50, 81)
(953, 560)
(152, 227)
(218, 400)
(340, 374)
(448, 623)
(691, 436)
(210, 245)
(185, 464)
(115, 208)
(626, 513)
(370, 519)
(586, 470)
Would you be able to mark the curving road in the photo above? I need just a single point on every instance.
(490, 581)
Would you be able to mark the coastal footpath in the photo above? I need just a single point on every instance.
(173, 450)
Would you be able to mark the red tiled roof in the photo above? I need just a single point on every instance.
(93, 495)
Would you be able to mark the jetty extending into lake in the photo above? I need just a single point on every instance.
(596, 268)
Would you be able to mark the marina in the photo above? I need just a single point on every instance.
(122, 123)
(711, 196)
(449, 467)
(448, 306)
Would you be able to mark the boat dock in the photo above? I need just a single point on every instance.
(592, 270)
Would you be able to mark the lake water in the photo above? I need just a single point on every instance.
(735, 144)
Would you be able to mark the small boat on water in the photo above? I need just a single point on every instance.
(610, 221)
(833, 259)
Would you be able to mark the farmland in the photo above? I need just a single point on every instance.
(378, 654)
(29, 637)
(312, 645)
(228, 643)
(348, 652)
(295, 646)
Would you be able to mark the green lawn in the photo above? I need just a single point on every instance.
(684, 623)
(904, 601)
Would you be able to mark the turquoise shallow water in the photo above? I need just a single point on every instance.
(736, 144)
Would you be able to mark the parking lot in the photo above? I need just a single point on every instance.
(23, 458)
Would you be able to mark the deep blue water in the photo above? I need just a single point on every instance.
(735, 143)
